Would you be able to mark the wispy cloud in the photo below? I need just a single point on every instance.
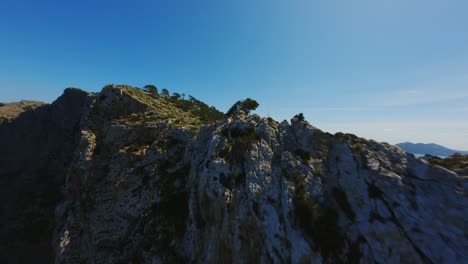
(441, 90)
(424, 96)
(343, 109)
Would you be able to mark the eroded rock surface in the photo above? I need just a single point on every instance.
(37, 148)
(143, 187)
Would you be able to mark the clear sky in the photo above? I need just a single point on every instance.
(388, 70)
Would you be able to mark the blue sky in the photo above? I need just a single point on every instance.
(388, 70)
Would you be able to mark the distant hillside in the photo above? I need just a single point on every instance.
(431, 148)
(9, 111)
(457, 163)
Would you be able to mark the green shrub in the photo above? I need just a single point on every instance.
(246, 105)
(190, 113)
(151, 88)
(346, 137)
(165, 92)
(300, 117)
(240, 141)
(176, 96)
(197, 108)
(357, 148)
(320, 224)
(306, 210)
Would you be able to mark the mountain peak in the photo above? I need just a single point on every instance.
(136, 106)
(429, 148)
(128, 175)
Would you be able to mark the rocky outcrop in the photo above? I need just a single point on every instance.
(143, 187)
(37, 148)
(456, 162)
(256, 194)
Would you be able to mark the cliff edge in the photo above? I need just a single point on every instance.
(143, 178)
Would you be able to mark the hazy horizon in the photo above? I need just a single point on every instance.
(390, 71)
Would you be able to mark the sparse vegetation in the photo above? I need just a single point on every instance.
(9, 111)
(191, 113)
(306, 211)
(345, 137)
(319, 223)
(357, 148)
(317, 171)
(164, 220)
(197, 108)
(300, 117)
(240, 140)
(456, 162)
(356, 144)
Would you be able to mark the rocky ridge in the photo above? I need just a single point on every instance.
(146, 186)
(9, 111)
(456, 162)
(37, 146)
(430, 149)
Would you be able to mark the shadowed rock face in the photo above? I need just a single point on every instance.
(139, 187)
(37, 147)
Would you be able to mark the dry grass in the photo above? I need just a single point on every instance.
(163, 110)
(9, 111)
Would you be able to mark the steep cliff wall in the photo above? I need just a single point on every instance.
(37, 148)
(146, 185)
(250, 189)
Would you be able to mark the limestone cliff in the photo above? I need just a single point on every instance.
(37, 148)
(148, 182)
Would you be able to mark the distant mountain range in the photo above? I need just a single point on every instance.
(430, 148)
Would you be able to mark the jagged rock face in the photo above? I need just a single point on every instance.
(257, 195)
(246, 190)
(37, 147)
